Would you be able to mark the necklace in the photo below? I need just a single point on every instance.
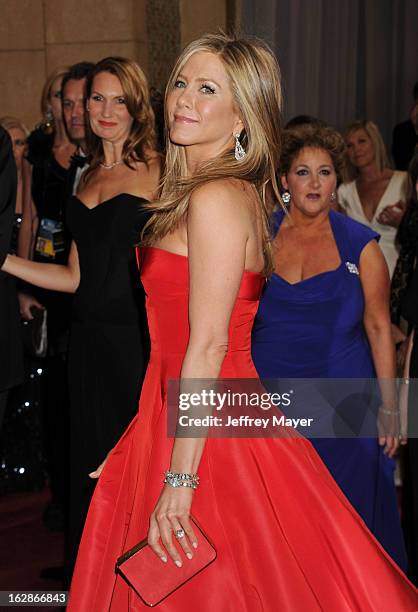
(112, 165)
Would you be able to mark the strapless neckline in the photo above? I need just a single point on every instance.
(109, 200)
(186, 258)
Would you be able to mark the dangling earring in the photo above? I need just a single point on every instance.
(49, 118)
(333, 196)
(239, 149)
(286, 197)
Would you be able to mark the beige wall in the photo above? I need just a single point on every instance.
(36, 36)
(171, 24)
(196, 18)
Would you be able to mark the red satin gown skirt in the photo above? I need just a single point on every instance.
(287, 539)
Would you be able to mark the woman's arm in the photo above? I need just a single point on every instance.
(217, 236)
(375, 282)
(48, 276)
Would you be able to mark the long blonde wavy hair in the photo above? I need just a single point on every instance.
(254, 78)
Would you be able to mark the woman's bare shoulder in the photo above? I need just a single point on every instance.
(223, 191)
(221, 203)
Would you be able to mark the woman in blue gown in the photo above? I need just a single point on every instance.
(324, 314)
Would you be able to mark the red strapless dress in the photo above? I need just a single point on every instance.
(286, 537)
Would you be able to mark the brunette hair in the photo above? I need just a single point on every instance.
(142, 138)
(254, 78)
(299, 120)
(77, 72)
(316, 136)
(373, 132)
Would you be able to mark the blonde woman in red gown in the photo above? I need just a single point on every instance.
(286, 537)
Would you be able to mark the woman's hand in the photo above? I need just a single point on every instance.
(171, 514)
(26, 302)
(388, 426)
(99, 470)
(392, 215)
(391, 444)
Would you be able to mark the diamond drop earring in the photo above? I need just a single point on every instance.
(239, 149)
(333, 196)
(286, 197)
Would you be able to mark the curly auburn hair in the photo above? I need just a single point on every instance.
(315, 136)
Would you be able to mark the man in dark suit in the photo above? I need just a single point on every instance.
(11, 357)
(405, 137)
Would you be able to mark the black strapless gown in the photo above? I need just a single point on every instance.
(108, 344)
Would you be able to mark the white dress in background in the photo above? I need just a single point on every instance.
(396, 190)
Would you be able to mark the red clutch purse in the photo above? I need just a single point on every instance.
(154, 580)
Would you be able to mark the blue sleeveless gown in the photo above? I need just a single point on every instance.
(314, 329)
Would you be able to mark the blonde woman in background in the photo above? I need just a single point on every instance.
(49, 152)
(372, 192)
(52, 117)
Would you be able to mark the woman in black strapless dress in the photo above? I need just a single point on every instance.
(107, 355)
(107, 347)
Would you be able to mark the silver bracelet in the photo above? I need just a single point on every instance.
(175, 480)
(384, 411)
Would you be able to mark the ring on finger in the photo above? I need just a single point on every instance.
(179, 533)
